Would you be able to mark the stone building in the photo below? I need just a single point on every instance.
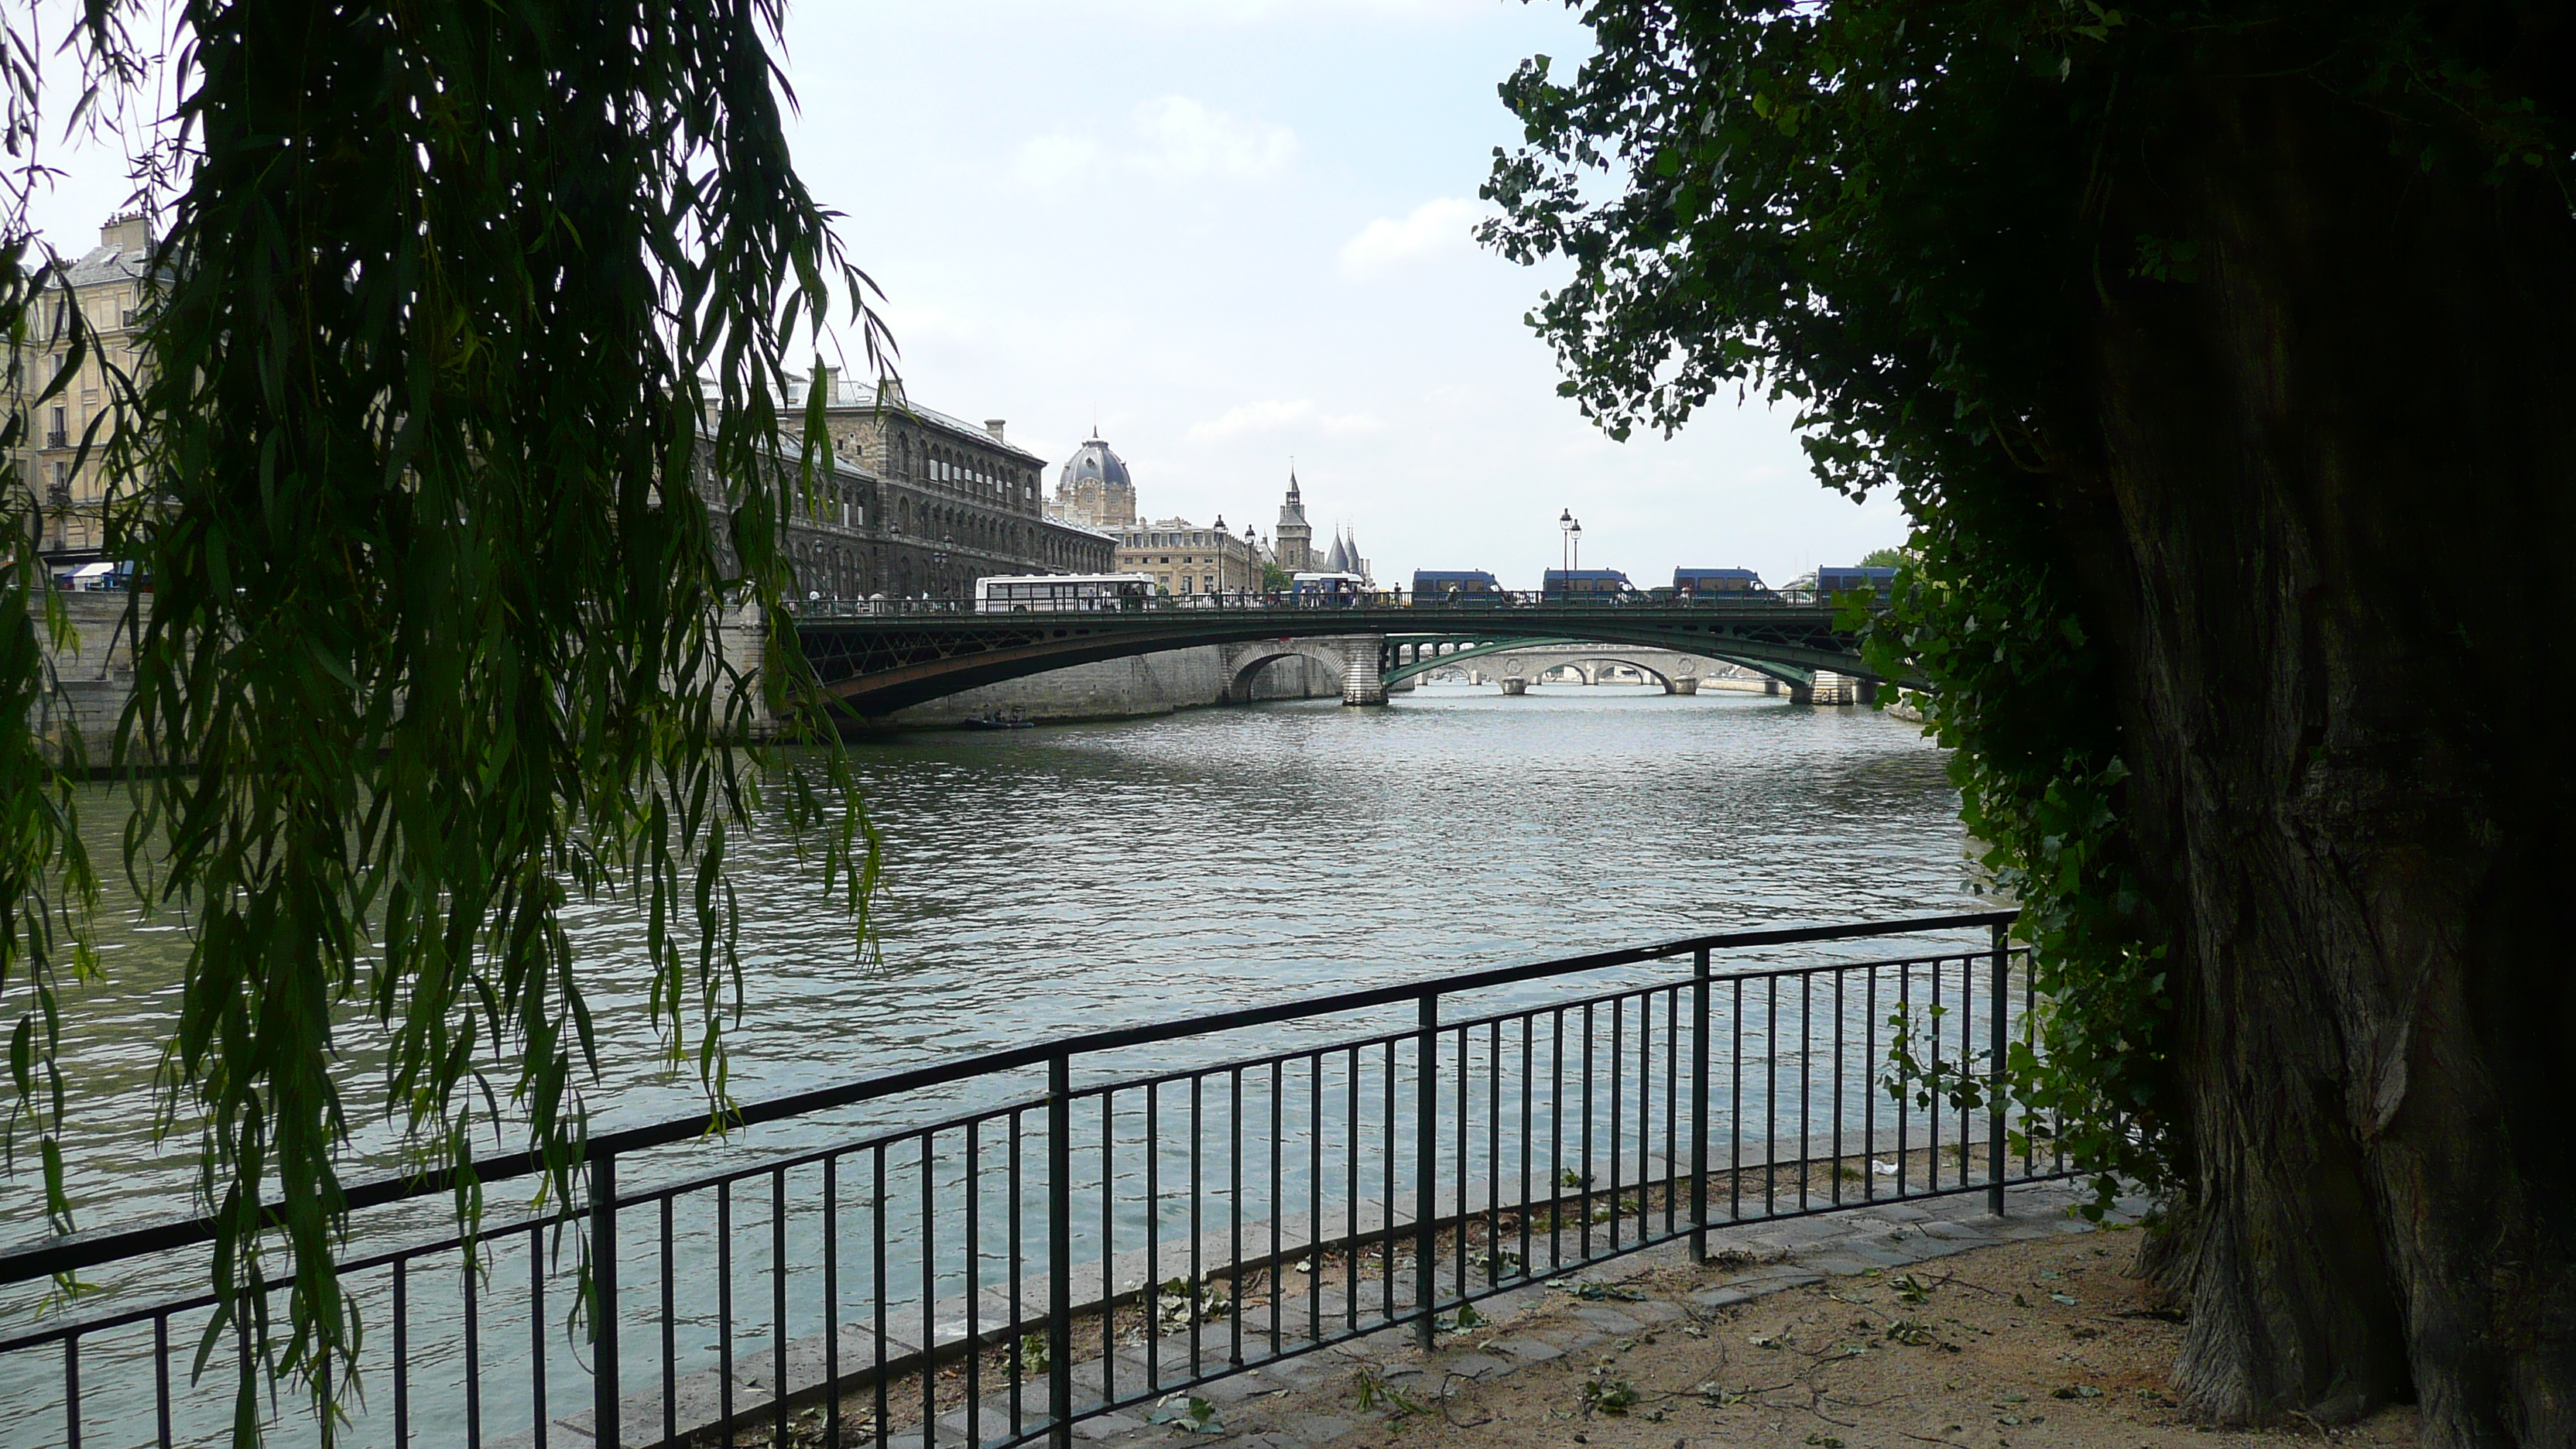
(1186, 559)
(923, 504)
(1094, 490)
(106, 284)
(1294, 539)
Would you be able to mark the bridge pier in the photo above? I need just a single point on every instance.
(1686, 684)
(1362, 683)
(742, 635)
(1515, 685)
(1868, 691)
(1802, 694)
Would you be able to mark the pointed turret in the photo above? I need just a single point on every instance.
(1294, 537)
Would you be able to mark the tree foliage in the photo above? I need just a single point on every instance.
(1814, 209)
(466, 313)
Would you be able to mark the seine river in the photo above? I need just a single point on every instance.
(1063, 879)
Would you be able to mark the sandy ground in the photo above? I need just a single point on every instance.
(2045, 1341)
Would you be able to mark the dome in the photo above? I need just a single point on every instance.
(1094, 460)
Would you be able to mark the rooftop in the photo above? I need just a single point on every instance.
(860, 395)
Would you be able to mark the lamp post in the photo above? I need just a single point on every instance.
(1571, 550)
(1220, 536)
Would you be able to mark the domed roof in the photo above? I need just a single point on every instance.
(1094, 460)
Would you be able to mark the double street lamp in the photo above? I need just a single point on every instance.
(1572, 553)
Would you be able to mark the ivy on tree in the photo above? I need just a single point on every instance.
(2221, 357)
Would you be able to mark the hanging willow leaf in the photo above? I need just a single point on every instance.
(456, 467)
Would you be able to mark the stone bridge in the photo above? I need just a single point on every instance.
(1517, 664)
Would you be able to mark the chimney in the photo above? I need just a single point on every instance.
(994, 426)
(131, 232)
(823, 384)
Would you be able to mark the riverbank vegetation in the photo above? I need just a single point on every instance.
(2218, 353)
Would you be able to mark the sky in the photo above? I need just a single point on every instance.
(1233, 233)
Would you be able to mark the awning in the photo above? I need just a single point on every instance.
(93, 570)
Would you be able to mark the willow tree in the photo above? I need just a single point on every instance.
(2225, 358)
(466, 311)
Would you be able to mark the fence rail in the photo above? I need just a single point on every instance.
(1003, 1268)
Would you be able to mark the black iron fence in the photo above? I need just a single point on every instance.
(1096, 1242)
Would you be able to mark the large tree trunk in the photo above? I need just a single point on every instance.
(2330, 522)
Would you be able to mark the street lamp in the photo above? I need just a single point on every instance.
(1572, 550)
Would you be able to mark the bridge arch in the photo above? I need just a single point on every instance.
(1244, 662)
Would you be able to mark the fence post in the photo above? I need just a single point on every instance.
(1995, 1072)
(1699, 1105)
(1426, 1156)
(603, 1289)
(1060, 1248)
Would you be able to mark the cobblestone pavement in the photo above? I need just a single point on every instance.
(1310, 1400)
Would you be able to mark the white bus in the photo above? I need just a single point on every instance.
(1062, 593)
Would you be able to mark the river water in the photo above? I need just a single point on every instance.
(1065, 879)
(1053, 880)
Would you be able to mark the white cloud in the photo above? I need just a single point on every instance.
(1173, 137)
(1275, 415)
(1442, 224)
(1056, 160)
(1185, 138)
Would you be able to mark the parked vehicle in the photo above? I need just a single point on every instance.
(1457, 586)
(1588, 586)
(1063, 593)
(1327, 591)
(1833, 582)
(1695, 584)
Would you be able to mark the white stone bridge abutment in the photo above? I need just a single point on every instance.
(1354, 655)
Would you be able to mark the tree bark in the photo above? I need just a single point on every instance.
(2325, 514)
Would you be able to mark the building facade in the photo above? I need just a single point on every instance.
(1185, 559)
(106, 285)
(920, 504)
